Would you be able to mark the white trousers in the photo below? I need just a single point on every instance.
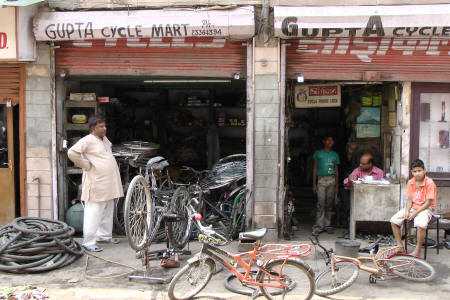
(97, 221)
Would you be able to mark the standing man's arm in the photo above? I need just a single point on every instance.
(75, 154)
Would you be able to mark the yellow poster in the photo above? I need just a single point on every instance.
(8, 33)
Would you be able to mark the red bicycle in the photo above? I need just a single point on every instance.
(273, 270)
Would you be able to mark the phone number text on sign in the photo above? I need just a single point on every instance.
(319, 95)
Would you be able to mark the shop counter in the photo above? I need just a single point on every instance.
(373, 202)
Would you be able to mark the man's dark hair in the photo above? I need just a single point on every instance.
(367, 153)
(326, 136)
(417, 163)
(95, 120)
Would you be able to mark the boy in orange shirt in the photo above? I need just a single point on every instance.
(421, 201)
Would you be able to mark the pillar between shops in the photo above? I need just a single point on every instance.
(38, 134)
(266, 136)
(405, 127)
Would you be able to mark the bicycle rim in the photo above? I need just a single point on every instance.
(345, 273)
(138, 212)
(411, 268)
(191, 279)
(178, 231)
(296, 277)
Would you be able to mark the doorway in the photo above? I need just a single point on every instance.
(357, 124)
(7, 168)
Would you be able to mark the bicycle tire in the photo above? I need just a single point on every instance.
(186, 294)
(341, 286)
(178, 231)
(138, 182)
(406, 272)
(238, 215)
(283, 263)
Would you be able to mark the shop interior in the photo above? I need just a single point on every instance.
(360, 123)
(191, 122)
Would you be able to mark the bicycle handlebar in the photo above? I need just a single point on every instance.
(206, 230)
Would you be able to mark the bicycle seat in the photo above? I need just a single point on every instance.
(157, 163)
(253, 235)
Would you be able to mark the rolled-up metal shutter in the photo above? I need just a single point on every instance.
(370, 59)
(9, 83)
(144, 57)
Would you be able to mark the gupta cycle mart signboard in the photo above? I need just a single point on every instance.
(8, 42)
(317, 95)
(237, 23)
(407, 21)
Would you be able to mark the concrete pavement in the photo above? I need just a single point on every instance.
(100, 280)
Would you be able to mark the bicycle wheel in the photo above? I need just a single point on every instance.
(138, 212)
(118, 221)
(345, 273)
(191, 279)
(411, 268)
(238, 215)
(178, 231)
(295, 275)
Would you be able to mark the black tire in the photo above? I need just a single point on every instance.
(349, 271)
(119, 220)
(187, 293)
(178, 232)
(411, 268)
(233, 284)
(138, 212)
(238, 215)
(299, 278)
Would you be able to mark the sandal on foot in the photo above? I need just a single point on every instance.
(93, 248)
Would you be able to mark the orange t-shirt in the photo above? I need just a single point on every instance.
(419, 194)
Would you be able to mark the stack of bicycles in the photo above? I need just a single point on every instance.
(156, 207)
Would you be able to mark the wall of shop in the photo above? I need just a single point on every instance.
(39, 134)
(354, 2)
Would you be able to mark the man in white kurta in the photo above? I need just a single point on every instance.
(101, 184)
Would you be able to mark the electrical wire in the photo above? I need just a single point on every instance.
(33, 245)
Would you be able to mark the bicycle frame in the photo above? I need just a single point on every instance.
(259, 256)
(375, 259)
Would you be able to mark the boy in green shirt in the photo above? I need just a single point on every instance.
(325, 183)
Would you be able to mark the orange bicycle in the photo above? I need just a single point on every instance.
(342, 271)
(278, 268)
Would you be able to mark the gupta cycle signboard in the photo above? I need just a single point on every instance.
(8, 49)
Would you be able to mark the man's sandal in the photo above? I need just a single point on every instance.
(93, 248)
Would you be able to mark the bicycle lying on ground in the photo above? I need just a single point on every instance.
(278, 269)
(342, 271)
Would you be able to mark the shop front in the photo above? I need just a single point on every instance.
(172, 81)
(348, 73)
(13, 51)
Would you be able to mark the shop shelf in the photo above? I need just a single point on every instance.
(77, 127)
(78, 104)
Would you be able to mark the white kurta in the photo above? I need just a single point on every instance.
(101, 177)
